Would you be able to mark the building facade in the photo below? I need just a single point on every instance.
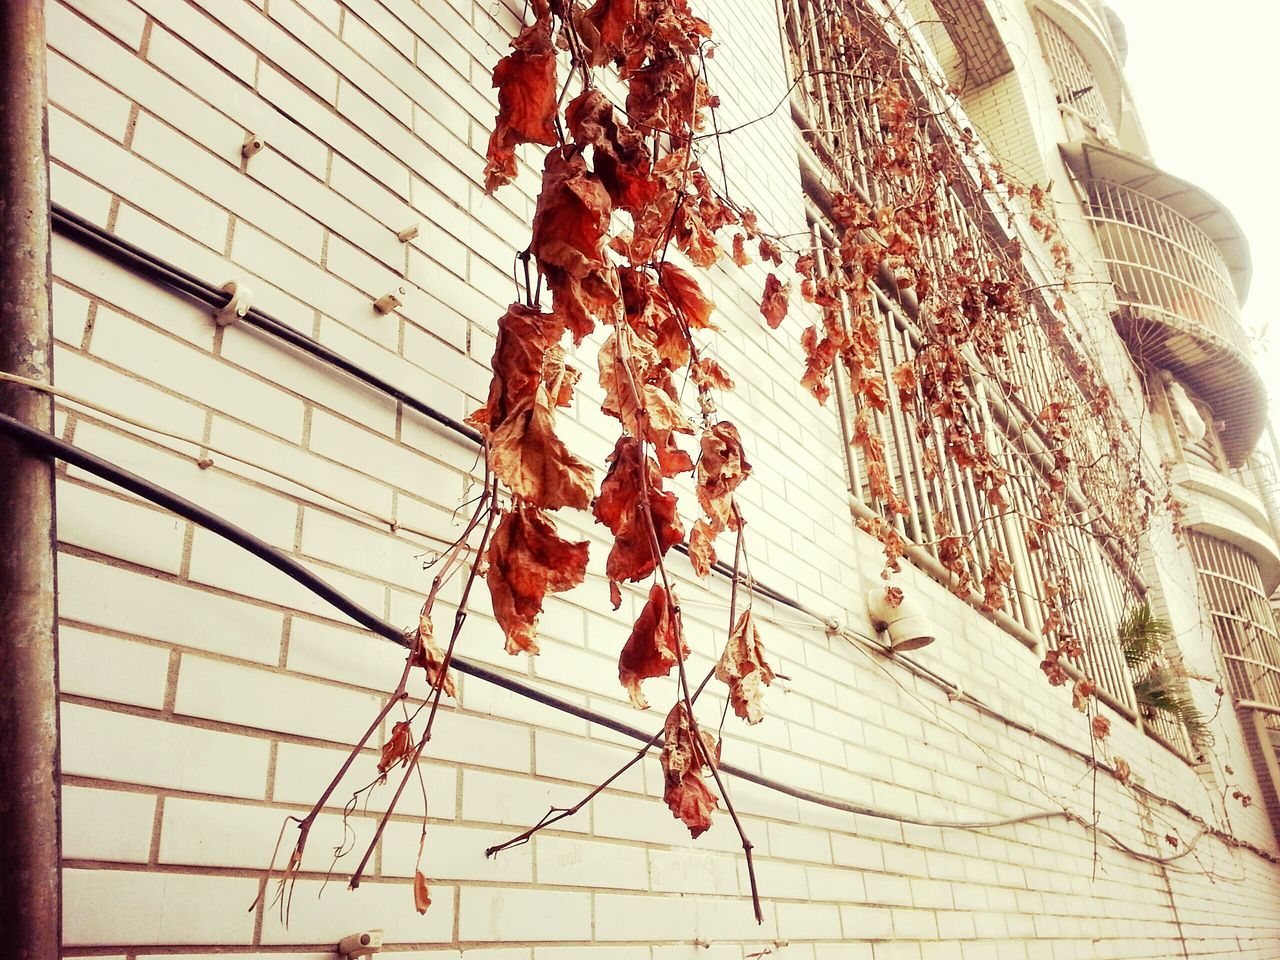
(327, 157)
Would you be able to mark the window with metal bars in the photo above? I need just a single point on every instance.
(1094, 577)
(1073, 78)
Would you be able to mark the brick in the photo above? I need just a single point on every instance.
(123, 600)
(574, 862)
(131, 816)
(123, 21)
(134, 907)
(86, 97)
(90, 518)
(272, 701)
(330, 916)
(219, 178)
(486, 913)
(129, 749)
(108, 668)
(198, 375)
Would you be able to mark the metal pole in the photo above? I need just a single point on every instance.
(30, 848)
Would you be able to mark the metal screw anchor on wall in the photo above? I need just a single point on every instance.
(252, 144)
(409, 232)
(389, 301)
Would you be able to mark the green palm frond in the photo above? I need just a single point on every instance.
(1142, 636)
(1155, 693)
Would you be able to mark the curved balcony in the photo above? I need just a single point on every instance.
(1178, 295)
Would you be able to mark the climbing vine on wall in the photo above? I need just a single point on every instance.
(622, 192)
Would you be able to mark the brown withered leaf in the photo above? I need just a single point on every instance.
(620, 507)
(421, 893)
(430, 657)
(1100, 727)
(708, 374)
(671, 459)
(526, 82)
(560, 378)
(638, 389)
(398, 748)
(528, 560)
(743, 668)
(526, 454)
(526, 337)
(686, 793)
(722, 467)
(620, 155)
(653, 647)
(1121, 770)
(607, 19)
(687, 296)
(702, 551)
(569, 226)
(776, 299)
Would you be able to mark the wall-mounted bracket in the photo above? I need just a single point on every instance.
(237, 306)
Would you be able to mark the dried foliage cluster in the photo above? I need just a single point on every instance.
(623, 186)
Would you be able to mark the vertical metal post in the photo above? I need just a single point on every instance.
(30, 848)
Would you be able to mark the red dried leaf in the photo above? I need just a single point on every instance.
(528, 560)
(620, 507)
(620, 156)
(687, 297)
(525, 337)
(776, 299)
(398, 748)
(702, 551)
(708, 374)
(740, 255)
(721, 468)
(569, 226)
(421, 893)
(638, 389)
(683, 758)
(526, 82)
(1120, 769)
(653, 647)
(743, 668)
(528, 457)
(1100, 727)
(559, 378)
(671, 459)
(607, 19)
(431, 658)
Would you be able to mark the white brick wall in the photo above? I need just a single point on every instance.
(206, 697)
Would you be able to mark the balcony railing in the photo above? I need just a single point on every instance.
(1162, 265)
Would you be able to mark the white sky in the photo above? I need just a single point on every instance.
(1204, 78)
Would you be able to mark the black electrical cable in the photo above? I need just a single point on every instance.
(62, 450)
(161, 271)
(155, 268)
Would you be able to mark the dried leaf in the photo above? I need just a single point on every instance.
(702, 551)
(1120, 769)
(687, 295)
(638, 390)
(620, 507)
(569, 226)
(1100, 727)
(526, 454)
(421, 894)
(431, 658)
(526, 82)
(398, 748)
(721, 468)
(653, 647)
(607, 20)
(528, 560)
(620, 155)
(686, 793)
(776, 299)
(743, 668)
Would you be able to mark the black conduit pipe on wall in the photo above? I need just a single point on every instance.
(147, 264)
(30, 848)
(52, 446)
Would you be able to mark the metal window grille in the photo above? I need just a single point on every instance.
(1161, 263)
(835, 112)
(1073, 78)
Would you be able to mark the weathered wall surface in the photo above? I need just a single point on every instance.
(206, 697)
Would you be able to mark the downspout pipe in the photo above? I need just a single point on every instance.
(30, 848)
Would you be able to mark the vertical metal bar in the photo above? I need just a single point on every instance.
(30, 907)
